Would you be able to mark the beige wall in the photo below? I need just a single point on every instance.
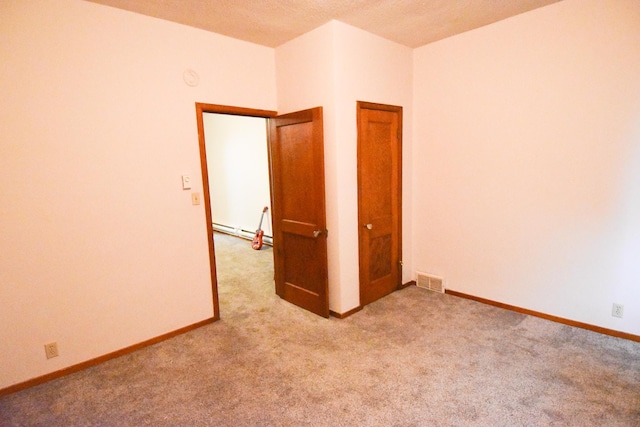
(305, 79)
(334, 66)
(527, 161)
(521, 162)
(372, 69)
(100, 248)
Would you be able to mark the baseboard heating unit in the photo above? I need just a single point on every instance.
(238, 232)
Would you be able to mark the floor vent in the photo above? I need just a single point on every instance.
(431, 282)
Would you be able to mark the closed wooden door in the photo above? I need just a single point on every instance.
(299, 224)
(379, 199)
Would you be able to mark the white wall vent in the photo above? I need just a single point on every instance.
(431, 282)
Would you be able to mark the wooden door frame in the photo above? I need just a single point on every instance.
(362, 105)
(202, 108)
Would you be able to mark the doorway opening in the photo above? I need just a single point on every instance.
(236, 188)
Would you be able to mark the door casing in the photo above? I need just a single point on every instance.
(202, 108)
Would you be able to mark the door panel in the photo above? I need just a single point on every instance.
(379, 199)
(299, 241)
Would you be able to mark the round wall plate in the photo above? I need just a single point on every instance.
(190, 77)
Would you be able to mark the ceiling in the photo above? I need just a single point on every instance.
(271, 23)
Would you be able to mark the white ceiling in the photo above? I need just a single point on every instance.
(271, 23)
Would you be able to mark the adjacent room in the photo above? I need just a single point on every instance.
(518, 187)
(240, 198)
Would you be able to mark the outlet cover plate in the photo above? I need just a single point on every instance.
(617, 310)
(51, 350)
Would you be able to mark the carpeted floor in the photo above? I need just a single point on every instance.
(414, 358)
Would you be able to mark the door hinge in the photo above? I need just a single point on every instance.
(401, 263)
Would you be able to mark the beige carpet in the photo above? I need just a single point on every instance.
(414, 358)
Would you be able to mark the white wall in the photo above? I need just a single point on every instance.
(334, 66)
(99, 246)
(527, 161)
(238, 166)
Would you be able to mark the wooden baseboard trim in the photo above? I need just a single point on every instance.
(101, 359)
(406, 285)
(593, 328)
(346, 314)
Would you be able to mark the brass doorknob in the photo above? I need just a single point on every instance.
(369, 226)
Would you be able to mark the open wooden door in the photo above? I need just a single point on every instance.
(296, 148)
(379, 199)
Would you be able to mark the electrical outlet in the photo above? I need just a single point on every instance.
(195, 199)
(51, 350)
(618, 310)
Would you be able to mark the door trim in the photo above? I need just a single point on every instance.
(202, 108)
(362, 105)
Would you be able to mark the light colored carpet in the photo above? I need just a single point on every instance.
(414, 358)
